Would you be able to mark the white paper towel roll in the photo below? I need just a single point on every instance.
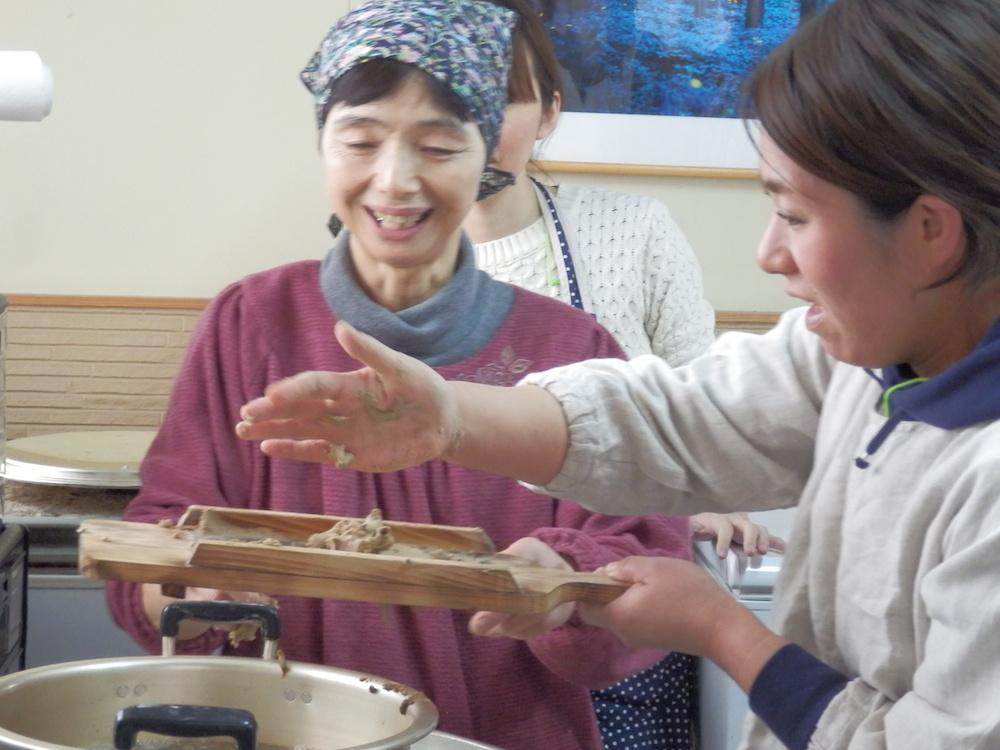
(25, 86)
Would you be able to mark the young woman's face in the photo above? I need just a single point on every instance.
(856, 274)
(401, 174)
(524, 123)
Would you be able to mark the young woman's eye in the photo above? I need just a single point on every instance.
(792, 221)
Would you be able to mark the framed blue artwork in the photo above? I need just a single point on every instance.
(653, 85)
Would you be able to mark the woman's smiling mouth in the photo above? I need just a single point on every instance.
(395, 220)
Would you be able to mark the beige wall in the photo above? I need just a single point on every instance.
(180, 155)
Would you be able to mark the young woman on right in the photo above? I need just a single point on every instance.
(875, 409)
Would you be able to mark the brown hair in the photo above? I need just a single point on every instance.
(892, 100)
(532, 54)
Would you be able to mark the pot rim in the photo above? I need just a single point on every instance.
(423, 711)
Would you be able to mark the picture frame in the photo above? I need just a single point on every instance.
(593, 143)
(653, 88)
(626, 143)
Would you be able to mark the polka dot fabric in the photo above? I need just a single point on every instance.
(653, 710)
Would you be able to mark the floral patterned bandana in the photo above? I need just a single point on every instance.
(465, 44)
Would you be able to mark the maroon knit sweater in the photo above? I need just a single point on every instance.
(518, 695)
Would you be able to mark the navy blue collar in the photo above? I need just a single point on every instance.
(965, 394)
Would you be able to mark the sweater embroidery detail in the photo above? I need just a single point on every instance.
(508, 371)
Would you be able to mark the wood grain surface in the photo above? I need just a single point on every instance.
(194, 554)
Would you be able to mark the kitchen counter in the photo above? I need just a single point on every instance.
(51, 514)
(41, 502)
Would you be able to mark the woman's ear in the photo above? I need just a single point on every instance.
(550, 117)
(938, 228)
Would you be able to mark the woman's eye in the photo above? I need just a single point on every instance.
(359, 145)
(792, 221)
(438, 152)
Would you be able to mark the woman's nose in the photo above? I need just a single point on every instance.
(773, 255)
(396, 170)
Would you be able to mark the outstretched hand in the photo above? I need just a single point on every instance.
(392, 413)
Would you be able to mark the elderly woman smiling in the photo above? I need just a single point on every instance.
(409, 98)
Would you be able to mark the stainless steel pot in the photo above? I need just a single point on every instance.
(445, 741)
(300, 706)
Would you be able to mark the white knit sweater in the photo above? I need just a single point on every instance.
(636, 271)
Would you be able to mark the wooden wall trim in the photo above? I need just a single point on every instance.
(723, 318)
(741, 319)
(139, 303)
(642, 170)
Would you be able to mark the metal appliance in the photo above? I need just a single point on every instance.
(13, 545)
(55, 588)
(54, 482)
(722, 705)
(27, 84)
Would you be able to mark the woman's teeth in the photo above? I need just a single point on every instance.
(394, 221)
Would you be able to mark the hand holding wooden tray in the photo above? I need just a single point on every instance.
(263, 551)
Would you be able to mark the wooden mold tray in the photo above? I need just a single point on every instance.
(222, 548)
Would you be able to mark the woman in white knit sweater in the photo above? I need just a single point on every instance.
(621, 257)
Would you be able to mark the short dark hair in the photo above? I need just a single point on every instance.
(378, 78)
(892, 100)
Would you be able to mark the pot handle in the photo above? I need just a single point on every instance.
(174, 613)
(185, 721)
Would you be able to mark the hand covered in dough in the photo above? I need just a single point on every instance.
(153, 602)
(524, 626)
(392, 413)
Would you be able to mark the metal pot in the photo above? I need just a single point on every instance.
(445, 741)
(105, 703)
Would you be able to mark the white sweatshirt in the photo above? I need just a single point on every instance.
(892, 574)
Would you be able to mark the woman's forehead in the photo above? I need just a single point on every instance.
(782, 175)
(410, 106)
